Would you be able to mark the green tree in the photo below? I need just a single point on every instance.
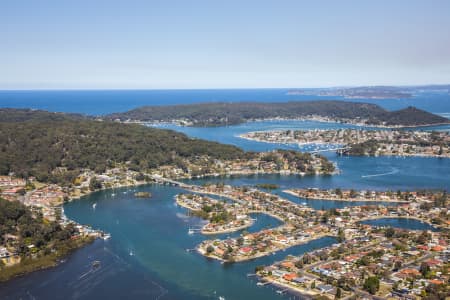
(389, 232)
(424, 269)
(341, 235)
(372, 284)
(259, 268)
(94, 184)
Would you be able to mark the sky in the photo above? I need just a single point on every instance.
(85, 44)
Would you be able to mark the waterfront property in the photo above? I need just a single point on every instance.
(404, 263)
(301, 224)
(364, 196)
(364, 142)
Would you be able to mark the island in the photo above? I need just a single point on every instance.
(363, 92)
(224, 114)
(364, 142)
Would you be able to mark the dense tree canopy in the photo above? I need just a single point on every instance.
(218, 114)
(56, 150)
(28, 228)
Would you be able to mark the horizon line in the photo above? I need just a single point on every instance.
(225, 88)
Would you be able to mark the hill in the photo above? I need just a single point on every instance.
(26, 115)
(56, 147)
(412, 116)
(219, 114)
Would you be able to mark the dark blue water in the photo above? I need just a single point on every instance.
(98, 102)
(411, 224)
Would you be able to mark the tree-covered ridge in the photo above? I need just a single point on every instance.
(26, 115)
(216, 114)
(58, 151)
(39, 147)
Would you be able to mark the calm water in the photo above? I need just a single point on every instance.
(147, 257)
(98, 102)
(401, 223)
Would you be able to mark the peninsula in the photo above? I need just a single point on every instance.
(222, 114)
(362, 92)
(371, 92)
(364, 142)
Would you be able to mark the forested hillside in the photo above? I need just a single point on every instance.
(219, 114)
(41, 145)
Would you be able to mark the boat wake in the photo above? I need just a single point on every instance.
(394, 171)
(182, 216)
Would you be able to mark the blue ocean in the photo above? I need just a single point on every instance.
(100, 102)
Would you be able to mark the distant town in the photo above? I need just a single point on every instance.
(364, 142)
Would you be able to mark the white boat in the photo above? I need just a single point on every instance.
(94, 206)
(190, 231)
(131, 253)
(106, 236)
(221, 298)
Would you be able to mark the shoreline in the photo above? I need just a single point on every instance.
(233, 229)
(290, 192)
(227, 230)
(399, 217)
(39, 264)
(262, 254)
(292, 289)
(317, 119)
(50, 261)
(424, 155)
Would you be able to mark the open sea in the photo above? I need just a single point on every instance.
(100, 102)
(147, 256)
